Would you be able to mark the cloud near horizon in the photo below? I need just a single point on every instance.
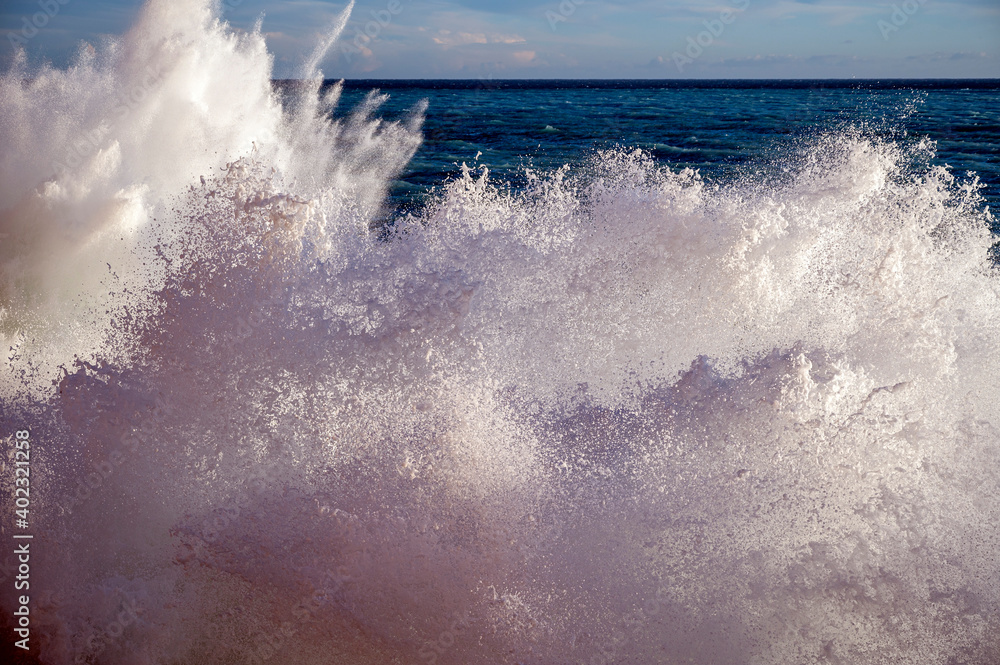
(584, 38)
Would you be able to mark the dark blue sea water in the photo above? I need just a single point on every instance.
(725, 129)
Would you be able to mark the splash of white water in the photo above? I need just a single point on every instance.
(622, 415)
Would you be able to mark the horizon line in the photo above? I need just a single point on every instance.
(659, 80)
(613, 83)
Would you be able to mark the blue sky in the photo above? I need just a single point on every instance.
(581, 38)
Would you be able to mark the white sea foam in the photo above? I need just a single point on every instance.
(619, 416)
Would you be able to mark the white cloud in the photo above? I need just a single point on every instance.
(508, 39)
(448, 38)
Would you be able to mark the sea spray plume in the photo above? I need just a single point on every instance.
(763, 259)
(93, 166)
(396, 456)
(98, 147)
(310, 69)
(346, 161)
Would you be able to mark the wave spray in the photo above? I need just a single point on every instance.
(619, 415)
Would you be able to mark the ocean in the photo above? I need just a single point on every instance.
(725, 129)
(493, 372)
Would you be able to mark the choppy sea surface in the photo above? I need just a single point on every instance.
(727, 130)
(493, 372)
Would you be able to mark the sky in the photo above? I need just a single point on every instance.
(497, 39)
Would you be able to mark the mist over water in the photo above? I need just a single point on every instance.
(618, 415)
